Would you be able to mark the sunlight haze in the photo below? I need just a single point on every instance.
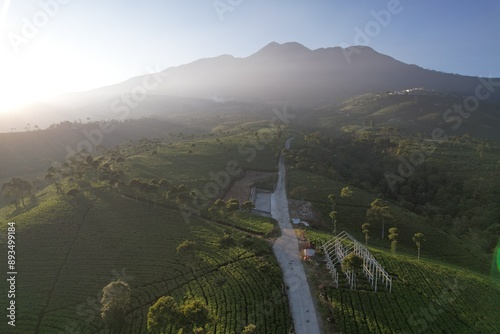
(77, 46)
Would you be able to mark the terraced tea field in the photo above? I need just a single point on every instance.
(426, 297)
(65, 262)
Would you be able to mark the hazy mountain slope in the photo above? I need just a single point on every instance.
(291, 73)
(278, 73)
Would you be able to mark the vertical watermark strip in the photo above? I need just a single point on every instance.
(11, 273)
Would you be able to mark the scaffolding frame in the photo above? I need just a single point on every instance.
(337, 248)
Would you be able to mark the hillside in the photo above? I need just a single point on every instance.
(70, 246)
(31, 153)
(410, 112)
(124, 211)
(450, 197)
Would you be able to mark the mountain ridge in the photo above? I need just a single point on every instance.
(276, 74)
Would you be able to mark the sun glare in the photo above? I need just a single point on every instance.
(16, 92)
(46, 69)
(34, 76)
(27, 78)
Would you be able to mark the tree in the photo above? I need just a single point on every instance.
(480, 150)
(393, 234)
(53, 176)
(163, 183)
(249, 329)
(379, 211)
(346, 192)
(219, 203)
(186, 247)
(115, 300)
(114, 177)
(352, 262)
(195, 314)
(365, 230)
(333, 200)
(248, 205)
(191, 316)
(418, 238)
(333, 216)
(232, 205)
(163, 313)
(18, 189)
(218, 209)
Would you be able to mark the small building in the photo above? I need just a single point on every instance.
(308, 253)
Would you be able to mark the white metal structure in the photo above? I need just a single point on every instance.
(342, 245)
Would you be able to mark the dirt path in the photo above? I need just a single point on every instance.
(286, 251)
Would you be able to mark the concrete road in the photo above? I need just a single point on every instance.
(286, 251)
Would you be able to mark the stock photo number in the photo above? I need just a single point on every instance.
(11, 273)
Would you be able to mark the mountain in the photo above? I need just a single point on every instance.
(277, 74)
(293, 74)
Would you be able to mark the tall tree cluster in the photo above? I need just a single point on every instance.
(18, 189)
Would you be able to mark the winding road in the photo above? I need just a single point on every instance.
(286, 250)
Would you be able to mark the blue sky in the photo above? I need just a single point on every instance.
(81, 45)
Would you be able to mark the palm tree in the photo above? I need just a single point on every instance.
(393, 234)
(418, 238)
(333, 216)
(379, 211)
(365, 230)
